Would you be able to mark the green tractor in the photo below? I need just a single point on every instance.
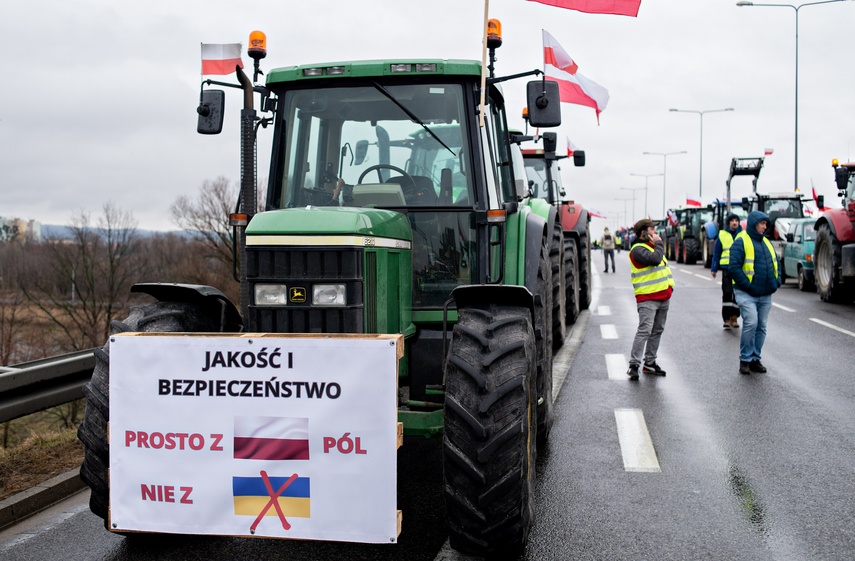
(393, 206)
(684, 237)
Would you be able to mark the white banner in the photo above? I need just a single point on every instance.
(276, 436)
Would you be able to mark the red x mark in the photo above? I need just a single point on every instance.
(273, 501)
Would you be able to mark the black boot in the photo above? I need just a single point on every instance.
(744, 367)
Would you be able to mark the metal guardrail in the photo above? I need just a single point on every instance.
(33, 386)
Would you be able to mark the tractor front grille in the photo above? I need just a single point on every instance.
(301, 269)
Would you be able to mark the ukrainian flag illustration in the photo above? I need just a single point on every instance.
(251, 496)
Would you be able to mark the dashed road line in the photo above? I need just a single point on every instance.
(780, 307)
(616, 366)
(686, 271)
(636, 447)
(703, 277)
(608, 331)
(832, 326)
(604, 311)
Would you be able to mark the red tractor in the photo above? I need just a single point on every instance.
(834, 250)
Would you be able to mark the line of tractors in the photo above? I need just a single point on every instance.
(818, 252)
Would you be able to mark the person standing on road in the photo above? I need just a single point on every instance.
(653, 285)
(755, 271)
(607, 242)
(720, 261)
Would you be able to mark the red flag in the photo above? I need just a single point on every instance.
(692, 202)
(616, 7)
(596, 213)
(573, 87)
(220, 59)
(768, 151)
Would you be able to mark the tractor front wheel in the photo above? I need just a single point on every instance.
(827, 268)
(489, 442)
(159, 317)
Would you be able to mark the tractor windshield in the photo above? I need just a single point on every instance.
(355, 146)
(396, 147)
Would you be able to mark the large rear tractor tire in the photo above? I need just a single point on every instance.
(706, 249)
(690, 251)
(161, 317)
(585, 270)
(827, 268)
(678, 249)
(543, 345)
(571, 280)
(489, 446)
(556, 258)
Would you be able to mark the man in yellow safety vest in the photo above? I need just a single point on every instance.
(720, 261)
(653, 284)
(755, 271)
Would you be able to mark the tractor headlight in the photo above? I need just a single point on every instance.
(329, 295)
(270, 295)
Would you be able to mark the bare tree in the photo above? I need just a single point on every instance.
(85, 281)
(207, 217)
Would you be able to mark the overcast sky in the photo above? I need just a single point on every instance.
(98, 97)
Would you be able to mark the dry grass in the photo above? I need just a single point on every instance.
(39, 448)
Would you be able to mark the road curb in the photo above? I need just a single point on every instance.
(31, 501)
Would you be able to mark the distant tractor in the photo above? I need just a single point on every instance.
(834, 249)
(545, 182)
(683, 232)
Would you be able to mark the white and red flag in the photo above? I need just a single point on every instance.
(616, 7)
(571, 148)
(573, 87)
(271, 438)
(692, 202)
(768, 151)
(220, 58)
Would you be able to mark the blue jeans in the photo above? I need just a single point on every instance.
(755, 312)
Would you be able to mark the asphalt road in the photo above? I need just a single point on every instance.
(702, 464)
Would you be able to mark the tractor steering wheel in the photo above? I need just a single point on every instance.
(408, 193)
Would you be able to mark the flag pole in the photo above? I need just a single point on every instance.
(484, 62)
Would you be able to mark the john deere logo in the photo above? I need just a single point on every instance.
(297, 295)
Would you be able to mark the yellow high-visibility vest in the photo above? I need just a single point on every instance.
(726, 239)
(748, 264)
(647, 280)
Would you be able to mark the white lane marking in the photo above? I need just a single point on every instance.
(564, 359)
(703, 277)
(686, 271)
(608, 331)
(786, 309)
(604, 311)
(616, 366)
(635, 444)
(831, 326)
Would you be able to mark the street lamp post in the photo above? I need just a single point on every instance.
(646, 176)
(633, 189)
(796, 10)
(664, 170)
(624, 199)
(701, 151)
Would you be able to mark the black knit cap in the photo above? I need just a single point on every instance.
(641, 226)
(730, 217)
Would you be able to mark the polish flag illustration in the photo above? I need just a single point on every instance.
(271, 438)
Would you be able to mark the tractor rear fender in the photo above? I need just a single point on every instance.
(838, 220)
(712, 230)
(477, 295)
(574, 217)
(208, 299)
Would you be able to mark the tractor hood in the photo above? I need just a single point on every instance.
(331, 221)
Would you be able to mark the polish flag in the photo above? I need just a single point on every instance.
(596, 213)
(768, 151)
(220, 59)
(573, 87)
(571, 147)
(692, 202)
(616, 7)
(271, 438)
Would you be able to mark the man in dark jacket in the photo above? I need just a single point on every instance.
(653, 284)
(756, 276)
(720, 261)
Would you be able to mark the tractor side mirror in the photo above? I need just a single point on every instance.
(746, 204)
(360, 152)
(820, 201)
(579, 158)
(841, 177)
(544, 103)
(212, 104)
(790, 237)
